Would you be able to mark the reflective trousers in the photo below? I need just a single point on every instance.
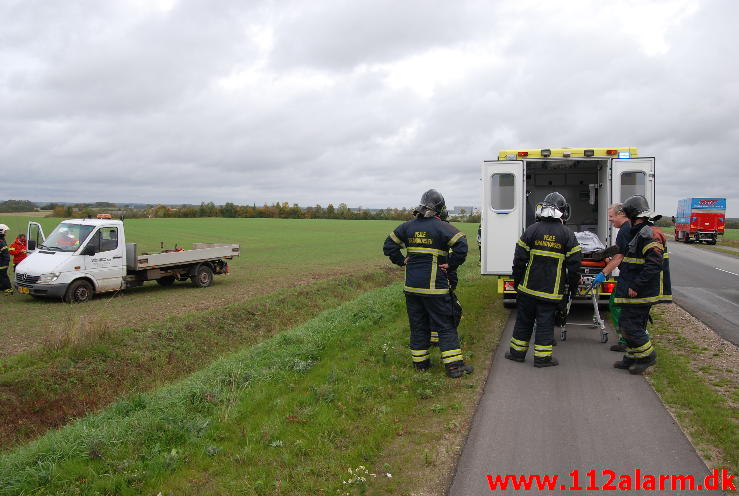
(4, 280)
(432, 312)
(532, 310)
(633, 323)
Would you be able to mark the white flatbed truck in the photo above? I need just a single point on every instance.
(83, 257)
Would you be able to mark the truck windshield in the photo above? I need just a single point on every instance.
(67, 237)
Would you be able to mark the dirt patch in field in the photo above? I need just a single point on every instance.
(85, 366)
(134, 308)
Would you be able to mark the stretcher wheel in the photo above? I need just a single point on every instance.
(563, 335)
(603, 337)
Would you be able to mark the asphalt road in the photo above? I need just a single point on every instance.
(706, 284)
(583, 415)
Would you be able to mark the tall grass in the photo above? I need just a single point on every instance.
(288, 416)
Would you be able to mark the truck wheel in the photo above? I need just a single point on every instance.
(203, 277)
(79, 291)
(166, 281)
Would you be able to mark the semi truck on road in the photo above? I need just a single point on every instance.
(83, 257)
(700, 219)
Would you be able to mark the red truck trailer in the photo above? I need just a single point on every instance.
(700, 219)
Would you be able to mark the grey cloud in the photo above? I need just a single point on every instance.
(98, 104)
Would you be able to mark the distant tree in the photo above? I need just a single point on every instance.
(229, 210)
(17, 206)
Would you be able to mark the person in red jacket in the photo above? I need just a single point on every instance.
(18, 250)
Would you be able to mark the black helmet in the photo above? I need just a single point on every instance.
(555, 206)
(432, 204)
(636, 206)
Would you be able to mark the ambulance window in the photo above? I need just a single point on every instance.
(633, 183)
(502, 191)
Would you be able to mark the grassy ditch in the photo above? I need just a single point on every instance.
(83, 365)
(696, 379)
(290, 415)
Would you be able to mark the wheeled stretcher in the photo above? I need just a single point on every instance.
(585, 288)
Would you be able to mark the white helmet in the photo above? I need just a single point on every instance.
(4, 229)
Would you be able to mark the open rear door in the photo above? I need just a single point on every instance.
(35, 236)
(503, 193)
(631, 177)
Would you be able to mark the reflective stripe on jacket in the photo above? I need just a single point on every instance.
(429, 242)
(547, 260)
(645, 268)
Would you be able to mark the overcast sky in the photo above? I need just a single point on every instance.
(363, 102)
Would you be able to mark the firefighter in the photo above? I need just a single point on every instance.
(545, 265)
(428, 241)
(644, 281)
(4, 262)
(18, 249)
(453, 280)
(619, 220)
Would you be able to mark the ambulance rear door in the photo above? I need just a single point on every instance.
(631, 177)
(502, 209)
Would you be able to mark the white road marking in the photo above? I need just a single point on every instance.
(728, 272)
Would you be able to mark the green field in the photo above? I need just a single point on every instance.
(275, 253)
(260, 384)
(732, 234)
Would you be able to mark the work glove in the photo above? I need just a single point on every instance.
(599, 279)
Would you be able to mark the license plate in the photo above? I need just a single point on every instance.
(23, 290)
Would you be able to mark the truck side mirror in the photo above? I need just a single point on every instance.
(89, 250)
(31, 244)
(673, 219)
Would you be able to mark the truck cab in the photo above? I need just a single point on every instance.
(88, 251)
(591, 179)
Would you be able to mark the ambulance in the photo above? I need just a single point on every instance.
(591, 179)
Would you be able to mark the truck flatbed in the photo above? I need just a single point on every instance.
(200, 252)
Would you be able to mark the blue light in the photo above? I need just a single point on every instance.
(624, 155)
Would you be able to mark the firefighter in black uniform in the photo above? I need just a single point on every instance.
(545, 265)
(644, 281)
(453, 280)
(428, 241)
(4, 262)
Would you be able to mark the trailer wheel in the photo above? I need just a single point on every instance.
(203, 277)
(79, 291)
(166, 281)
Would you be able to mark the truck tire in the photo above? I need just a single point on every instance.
(166, 281)
(80, 291)
(203, 277)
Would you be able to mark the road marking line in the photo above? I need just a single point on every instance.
(722, 270)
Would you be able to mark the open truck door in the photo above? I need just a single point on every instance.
(503, 194)
(631, 177)
(35, 236)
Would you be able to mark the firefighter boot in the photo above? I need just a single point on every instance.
(625, 363)
(458, 369)
(545, 362)
(422, 366)
(618, 347)
(643, 364)
(515, 358)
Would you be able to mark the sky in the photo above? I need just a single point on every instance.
(363, 102)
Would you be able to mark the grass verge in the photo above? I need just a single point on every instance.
(291, 415)
(85, 364)
(696, 379)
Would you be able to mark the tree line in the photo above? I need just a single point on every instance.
(278, 210)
